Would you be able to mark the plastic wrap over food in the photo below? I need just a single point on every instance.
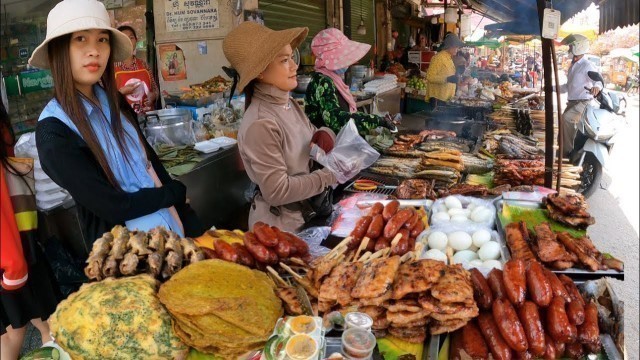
(314, 236)
(347, 212)
(463, 212)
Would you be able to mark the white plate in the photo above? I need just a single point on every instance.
(223, 141)
(206, 146)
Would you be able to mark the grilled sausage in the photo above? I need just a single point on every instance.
(402, 247)
(371, 245)
(572, 289)
(382, 243)
(473, 342)
(417, 229)
(557, 287)
(496, 284)
(538, 285)
(362, 225)
(209, 253)
(498, 347)
(225, 251)
(481, 290)
(456, 345)
(259, 252)
(302, 248)
(550, 352)
(412, 243)
(283, 249)
(375, 228)
(244, 257)
(412, 221)
(396, 222)
(575, 312)
(509, 325)
(515, 281)
(574, 350)
(376, 209)
(589, 332)
(265, 234)
(525, 355)
(390, 209)
(530, 319)
(558, 323)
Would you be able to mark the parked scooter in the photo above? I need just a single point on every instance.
(596, 136)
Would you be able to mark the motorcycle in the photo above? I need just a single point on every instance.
(594, 141)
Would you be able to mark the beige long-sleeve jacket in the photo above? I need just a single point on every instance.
(274, 140)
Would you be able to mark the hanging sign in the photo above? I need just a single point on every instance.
(191, 15)
(550, 23)
(37, 80)
(23, 53)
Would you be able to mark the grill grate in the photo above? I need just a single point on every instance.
(380, 179)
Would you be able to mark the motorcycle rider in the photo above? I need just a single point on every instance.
(577, 80)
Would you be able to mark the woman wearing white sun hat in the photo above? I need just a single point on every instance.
(87, 136)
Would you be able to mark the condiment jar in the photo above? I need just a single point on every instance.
(358, 320)
(302, 347)
(303, 324)
(358, 344)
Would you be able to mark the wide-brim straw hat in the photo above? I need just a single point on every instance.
(251, 47)
(69, 16)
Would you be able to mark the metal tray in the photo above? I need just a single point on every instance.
(381, 179)
(574, 273)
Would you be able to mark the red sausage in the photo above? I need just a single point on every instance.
(589, 332)
(515, 281)
(456, 345)
(244, 257)
(396, 222)
(557, 287)
(550, 352)
(376, 209)
(382, 243)
(572, 289)
(499, 348)
(417, 229)
(225, 251)
(481, 289)
(283, 249)
(509, 325)
(496, 283)
(375, 228)
(302, 248)
(575, 313)
(558, 323)
(538, 285)
(574, 350)
(473, 342)
(209, 253)
(259, 252)
(412, 221)
(402, 247)
(530, 319)
(265, 234)
(362, 225)
(390, 209)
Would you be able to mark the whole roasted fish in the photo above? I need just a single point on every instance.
(129, 264)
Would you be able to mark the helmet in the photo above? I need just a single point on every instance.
(578, 44)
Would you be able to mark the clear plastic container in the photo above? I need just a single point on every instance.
(303, 325)
(358, 343)
(302, 347)
(358, 320)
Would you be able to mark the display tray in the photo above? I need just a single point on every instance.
(392, 183)
(574, 273)
(333, 344)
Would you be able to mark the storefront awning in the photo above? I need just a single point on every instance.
(618, 13)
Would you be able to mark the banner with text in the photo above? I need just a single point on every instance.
(190, 15)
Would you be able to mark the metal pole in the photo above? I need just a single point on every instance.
(548, 102)
(560, 144)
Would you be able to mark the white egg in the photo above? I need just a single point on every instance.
(474, 248)
(437, 240)
(464, 256)
(455, 211)
(460, 240)
(440, 217)
(477, 208)
(481, 216)
(467, 212)
(481, 237)
(476, 263)
(440, 208)
(490, 264)
(459, 219)
(435, 254)
(489, 251)
(452, 203)
(471, 207)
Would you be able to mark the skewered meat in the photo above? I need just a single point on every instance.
(138, 243)
(464, 189)
(404, 305)
(110, 267)
(518, 241)
(289, 297)
(415, 334)
(382, 300)
(129, 264)
(416, 277)
(338, 285)
(454, 285)
(441, 327)
(433, 134)
(569, 209)
(376, 278)
(548, 248)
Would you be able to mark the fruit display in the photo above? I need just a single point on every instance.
(159, 252)
(417, 83)
(116, 319)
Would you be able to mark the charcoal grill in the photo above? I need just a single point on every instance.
(387, 181)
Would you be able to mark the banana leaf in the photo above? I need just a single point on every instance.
(533, 217)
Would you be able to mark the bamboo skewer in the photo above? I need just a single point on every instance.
(290, 271)
(407, 257)
(365, 256)
(298, 261)
(276, 277)
(449, 253)
(363, 245)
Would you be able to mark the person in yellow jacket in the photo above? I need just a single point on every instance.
(441, 75)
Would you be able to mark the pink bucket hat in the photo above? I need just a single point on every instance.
(333, 50)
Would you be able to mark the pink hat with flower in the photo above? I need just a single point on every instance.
(333, 50)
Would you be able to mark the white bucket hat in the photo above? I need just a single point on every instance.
(69, 16)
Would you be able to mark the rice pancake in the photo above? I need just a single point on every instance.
(116, 319)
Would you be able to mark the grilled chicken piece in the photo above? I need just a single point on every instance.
(403, 317)
(580, 247)
(382, 300)
(570, 204)
(415, 189)
(414, 335)
(454, 285)
(129, 264)
(433, 305)
(416, 277)
(404, 305)
(548, 248)
(321, 268)
(441, 327)
(518, 241)
(466, 312)
(158, 239)
(376, 278)
(154, 262)
(119, 246)
(110, 267)
(562, 265)
(289, 297)
(346, 283)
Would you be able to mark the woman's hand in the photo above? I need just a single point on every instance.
(128, 89)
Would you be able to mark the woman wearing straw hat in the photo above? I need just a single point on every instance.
(328, 100)
(87, 136)
(275, 135)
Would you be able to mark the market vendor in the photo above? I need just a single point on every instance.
(328, 100)
(578, 97)
(275, 136)
(422, 43)
(88, 137)
(441, 75)
(134, 77)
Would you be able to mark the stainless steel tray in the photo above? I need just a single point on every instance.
(574, 273)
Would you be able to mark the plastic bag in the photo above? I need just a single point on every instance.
(314, 236)
(349, 156)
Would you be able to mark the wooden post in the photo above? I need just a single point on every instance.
(548, 102)
(560, 132)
